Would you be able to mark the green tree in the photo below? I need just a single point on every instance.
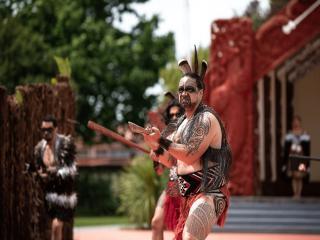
(254, 11)
(276, 6)
(23, 57)
(96, 191)
(111, 67)
(258, 16)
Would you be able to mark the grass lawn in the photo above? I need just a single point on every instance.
(100, 220)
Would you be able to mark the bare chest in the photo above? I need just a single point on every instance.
(180, 131)
(48, 157)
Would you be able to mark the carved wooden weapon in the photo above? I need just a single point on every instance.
(107, 132)
(138, 129)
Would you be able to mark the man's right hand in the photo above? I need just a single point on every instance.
(43, 175)
(152, 138)
(52, 169)
(153, 156)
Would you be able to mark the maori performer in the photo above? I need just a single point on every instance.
(297, 142)
(55, 164)
(199, 143)
(167, 210)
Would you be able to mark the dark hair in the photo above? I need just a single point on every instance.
(196, 77)
(172, 103)
(50, 118)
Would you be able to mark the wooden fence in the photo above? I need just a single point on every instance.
(22, 211)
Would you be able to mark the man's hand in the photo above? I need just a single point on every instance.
(52, 169)
(153, 137)
(42, 174)
(302, 167)
(153, 156)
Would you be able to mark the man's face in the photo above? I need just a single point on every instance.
(48, 130)
(174, 113)
(189, 94)
(296, 124)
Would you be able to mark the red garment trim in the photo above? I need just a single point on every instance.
(171, 211)
(185, 205)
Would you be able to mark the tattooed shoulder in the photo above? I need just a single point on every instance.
(199, 131)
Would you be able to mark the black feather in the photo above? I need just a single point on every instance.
(204, 67)
(170, 95)
(184, 66)
(195, 61)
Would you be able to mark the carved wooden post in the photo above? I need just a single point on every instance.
(229, 91)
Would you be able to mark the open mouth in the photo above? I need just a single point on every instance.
(185, 101)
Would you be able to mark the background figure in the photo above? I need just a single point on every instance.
(297, 142)
(55, 164)
(167, 210)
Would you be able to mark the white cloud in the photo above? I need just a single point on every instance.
(189, 20)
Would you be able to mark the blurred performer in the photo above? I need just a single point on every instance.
(167, 210)
(297, 142)
(55, 160)
(199, 143)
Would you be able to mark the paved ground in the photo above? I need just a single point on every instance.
(116, 233)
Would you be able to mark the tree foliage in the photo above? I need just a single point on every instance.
(258, 16)
(97, 192)
(111, 67)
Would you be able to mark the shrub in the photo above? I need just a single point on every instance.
(139, 188)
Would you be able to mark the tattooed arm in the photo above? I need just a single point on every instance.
(204, 133)
(166, 159)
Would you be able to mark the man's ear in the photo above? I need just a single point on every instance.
(200, 94)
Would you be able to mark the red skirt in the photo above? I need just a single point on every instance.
(172, 205)
(185, 205)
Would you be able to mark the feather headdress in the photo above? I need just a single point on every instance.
(170, 95)
(194, 70)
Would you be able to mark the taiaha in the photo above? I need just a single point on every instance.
(107, 132)
(138, 129)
